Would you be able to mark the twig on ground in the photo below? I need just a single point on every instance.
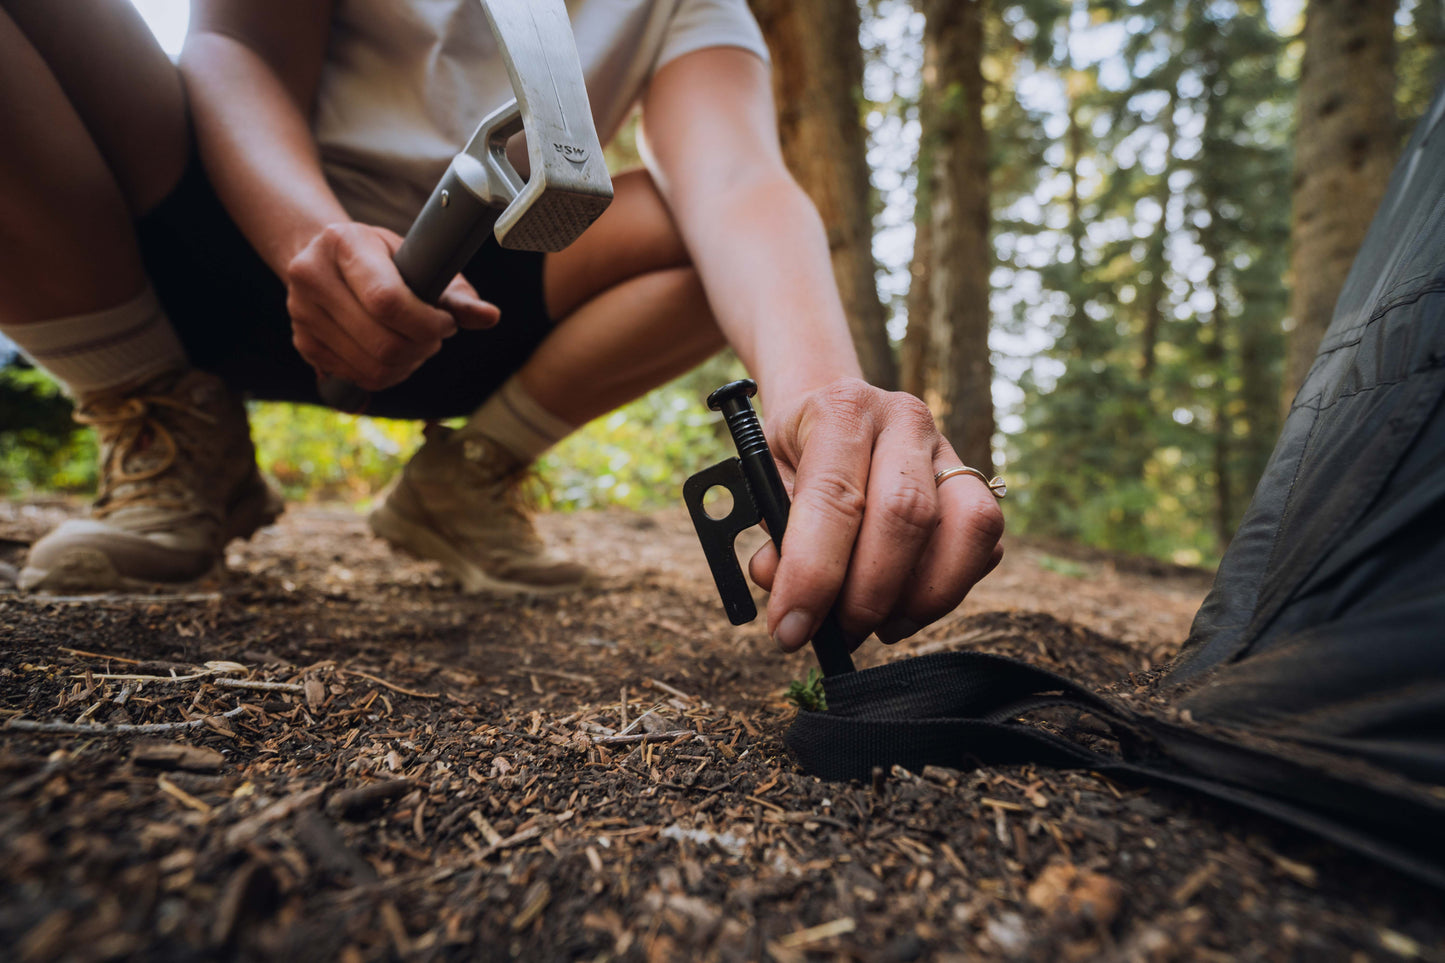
(390, 685)
(249, 828)
(554, 673)
(118, 600)
(643, 737)
(100, 655)
(671, 691)
(124, 728)
(259, 685)
(183, 797)
(224, 682)
(816, 934)
(349, 803)
(211, 669)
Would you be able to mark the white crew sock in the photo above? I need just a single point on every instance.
(513, 419)
(120, 347)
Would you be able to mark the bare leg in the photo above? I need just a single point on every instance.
(96, 133)
(633, 309)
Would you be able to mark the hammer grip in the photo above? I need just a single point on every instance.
(448, 232)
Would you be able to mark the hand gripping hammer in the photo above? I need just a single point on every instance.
(481, 193)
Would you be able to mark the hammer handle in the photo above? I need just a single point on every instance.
(447, 234)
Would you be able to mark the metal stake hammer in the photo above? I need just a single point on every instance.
(481, 193)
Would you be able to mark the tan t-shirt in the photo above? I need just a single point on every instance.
(407, 81)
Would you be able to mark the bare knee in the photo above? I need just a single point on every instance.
(636, 236)
(120, 83)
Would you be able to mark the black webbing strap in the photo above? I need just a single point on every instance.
(962, 710)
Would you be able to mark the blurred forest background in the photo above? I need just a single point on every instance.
(1101, 238)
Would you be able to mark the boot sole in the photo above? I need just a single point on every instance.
(422, 542)
(88, 571)
(85, 570)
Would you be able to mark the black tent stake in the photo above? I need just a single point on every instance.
(758, 495)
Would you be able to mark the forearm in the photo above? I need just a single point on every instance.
(257, 148)
(762, 252)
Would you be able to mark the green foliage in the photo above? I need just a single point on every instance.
(1420, 67)
(41, 448)
(639, 456)
(1062, 566)
(636, 457)
(1152, 258)
(319, 453)
(807, 694)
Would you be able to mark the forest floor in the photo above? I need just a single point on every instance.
(362, 764)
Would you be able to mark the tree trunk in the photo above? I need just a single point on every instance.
(918, 366)
(959, 216)
(1157, 257)
(1344, 150)
(917, 372)
(1215, 331)
(817, 82)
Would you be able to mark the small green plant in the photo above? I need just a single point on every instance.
(807, 694)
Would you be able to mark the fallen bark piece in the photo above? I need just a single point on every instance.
(816, 934)
(250, 827)
(516, 839)
(485, 827)
(533, 903)
(1064, 888)
(251, 893)
(183, 797)
(173, 755)
(315, 693)
(320, 838)
(354, 803)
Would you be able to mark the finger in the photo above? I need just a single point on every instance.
(348, 359)
(326, 344)
(364, 263)
(963, 550)
(318, 356)
(829, 495)
(763, 566)
(470, 312)
(899, 521)
(376, 354)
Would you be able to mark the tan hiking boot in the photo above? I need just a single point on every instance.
(178, 480)
(460, 502)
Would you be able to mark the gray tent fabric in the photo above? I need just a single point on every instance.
(1326, 623)
(1312, 685)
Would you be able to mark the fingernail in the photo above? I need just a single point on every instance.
(896, 630)
(794, 629)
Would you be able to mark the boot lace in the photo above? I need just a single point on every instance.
(520, 498)
(123, 425)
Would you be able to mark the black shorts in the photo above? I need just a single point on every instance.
(230, 312)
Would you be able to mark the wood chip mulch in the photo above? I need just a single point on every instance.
(335, 756)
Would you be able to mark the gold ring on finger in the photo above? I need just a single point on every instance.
(995, 484)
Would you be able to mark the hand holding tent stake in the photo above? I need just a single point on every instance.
(481, 193)
(758, 495)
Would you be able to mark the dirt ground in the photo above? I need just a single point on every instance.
(356, 763)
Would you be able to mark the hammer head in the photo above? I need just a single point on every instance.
(568, 187)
